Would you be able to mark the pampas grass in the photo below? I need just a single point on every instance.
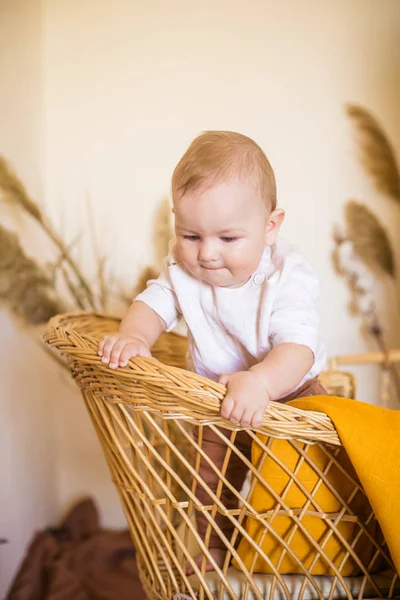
(370, 239)
(32, 291)
(375, 151)
(364, 251)
(23, 284)
(13, 191)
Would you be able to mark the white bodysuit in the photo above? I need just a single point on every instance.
(231, 329)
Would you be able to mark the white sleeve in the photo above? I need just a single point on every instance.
(161, 297)
(294, 318)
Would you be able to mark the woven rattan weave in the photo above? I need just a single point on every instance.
(144, 414)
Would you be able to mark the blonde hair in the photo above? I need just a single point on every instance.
(218, 156)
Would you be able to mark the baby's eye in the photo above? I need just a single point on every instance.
(228, 239)
(192, 238)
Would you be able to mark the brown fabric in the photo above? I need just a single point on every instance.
(79, 561)
(236, 470)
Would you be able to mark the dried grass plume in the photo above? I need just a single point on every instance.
(376, 152)
(14, 192)
(23, 284)
(369, 237)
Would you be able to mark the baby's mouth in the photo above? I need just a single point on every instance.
(211, 268)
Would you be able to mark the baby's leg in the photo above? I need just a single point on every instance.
(235, 473)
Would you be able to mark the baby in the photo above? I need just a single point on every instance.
(246, 295)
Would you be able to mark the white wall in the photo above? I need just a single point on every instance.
(28, 494)
(128, 84)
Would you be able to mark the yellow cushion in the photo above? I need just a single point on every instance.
(300, 542)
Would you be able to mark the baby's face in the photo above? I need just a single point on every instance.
(221, 233)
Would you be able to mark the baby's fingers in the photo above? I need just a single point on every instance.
(128, 352)
(231, 411)
(227, 407)
(247, 416)
(106, 346)
(118, 348)
(102, 342)
(132, 350)
(236, 414)
(257, 419)
(224, 379)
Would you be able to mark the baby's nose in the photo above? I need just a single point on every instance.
(207, 252)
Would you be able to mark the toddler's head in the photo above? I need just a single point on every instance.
(224, 196)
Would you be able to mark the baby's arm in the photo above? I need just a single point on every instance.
(138, 332)
(152, 312)
(284, 367)
(294, 326)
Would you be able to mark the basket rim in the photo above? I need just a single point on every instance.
(193, 395)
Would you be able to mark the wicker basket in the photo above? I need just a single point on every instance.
(143, 415)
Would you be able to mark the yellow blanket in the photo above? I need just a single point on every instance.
(371, 437)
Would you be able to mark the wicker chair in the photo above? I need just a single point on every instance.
(143, 415)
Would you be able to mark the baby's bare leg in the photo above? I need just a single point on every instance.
(236, 471)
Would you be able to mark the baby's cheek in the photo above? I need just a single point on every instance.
(187, 256)
(250, 260)
(245, 263)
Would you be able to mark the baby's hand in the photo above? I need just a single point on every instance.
(246, 399)
(117, 349)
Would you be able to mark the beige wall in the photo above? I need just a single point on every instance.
(28, 485)
(128, 84)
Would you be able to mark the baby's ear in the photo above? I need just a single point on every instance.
(273, 226)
